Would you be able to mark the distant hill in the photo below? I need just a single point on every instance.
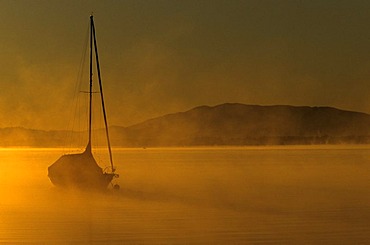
(226, 124)
(239, 124)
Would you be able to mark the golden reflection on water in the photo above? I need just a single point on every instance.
(194, 195)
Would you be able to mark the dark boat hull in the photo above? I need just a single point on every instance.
(79, 171)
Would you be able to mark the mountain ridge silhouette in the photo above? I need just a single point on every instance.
(224, 124)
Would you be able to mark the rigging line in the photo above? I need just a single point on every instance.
(81, 102)
(83, 123)
(74, 112)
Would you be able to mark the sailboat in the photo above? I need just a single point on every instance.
(81, 170)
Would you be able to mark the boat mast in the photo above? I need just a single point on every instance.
(88, 148)
(101, 93)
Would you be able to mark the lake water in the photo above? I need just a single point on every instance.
(252, 195)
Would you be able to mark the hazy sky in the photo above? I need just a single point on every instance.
(159, 57)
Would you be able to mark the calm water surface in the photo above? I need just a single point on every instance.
(299, 195)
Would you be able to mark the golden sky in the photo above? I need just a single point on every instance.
(164, 56)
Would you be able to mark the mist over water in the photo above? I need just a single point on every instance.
(194, 196)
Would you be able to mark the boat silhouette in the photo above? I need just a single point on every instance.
(81, 170)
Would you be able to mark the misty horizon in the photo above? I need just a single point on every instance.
(181, 111)
(230, 124)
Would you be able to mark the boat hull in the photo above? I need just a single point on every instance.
(79, 171)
